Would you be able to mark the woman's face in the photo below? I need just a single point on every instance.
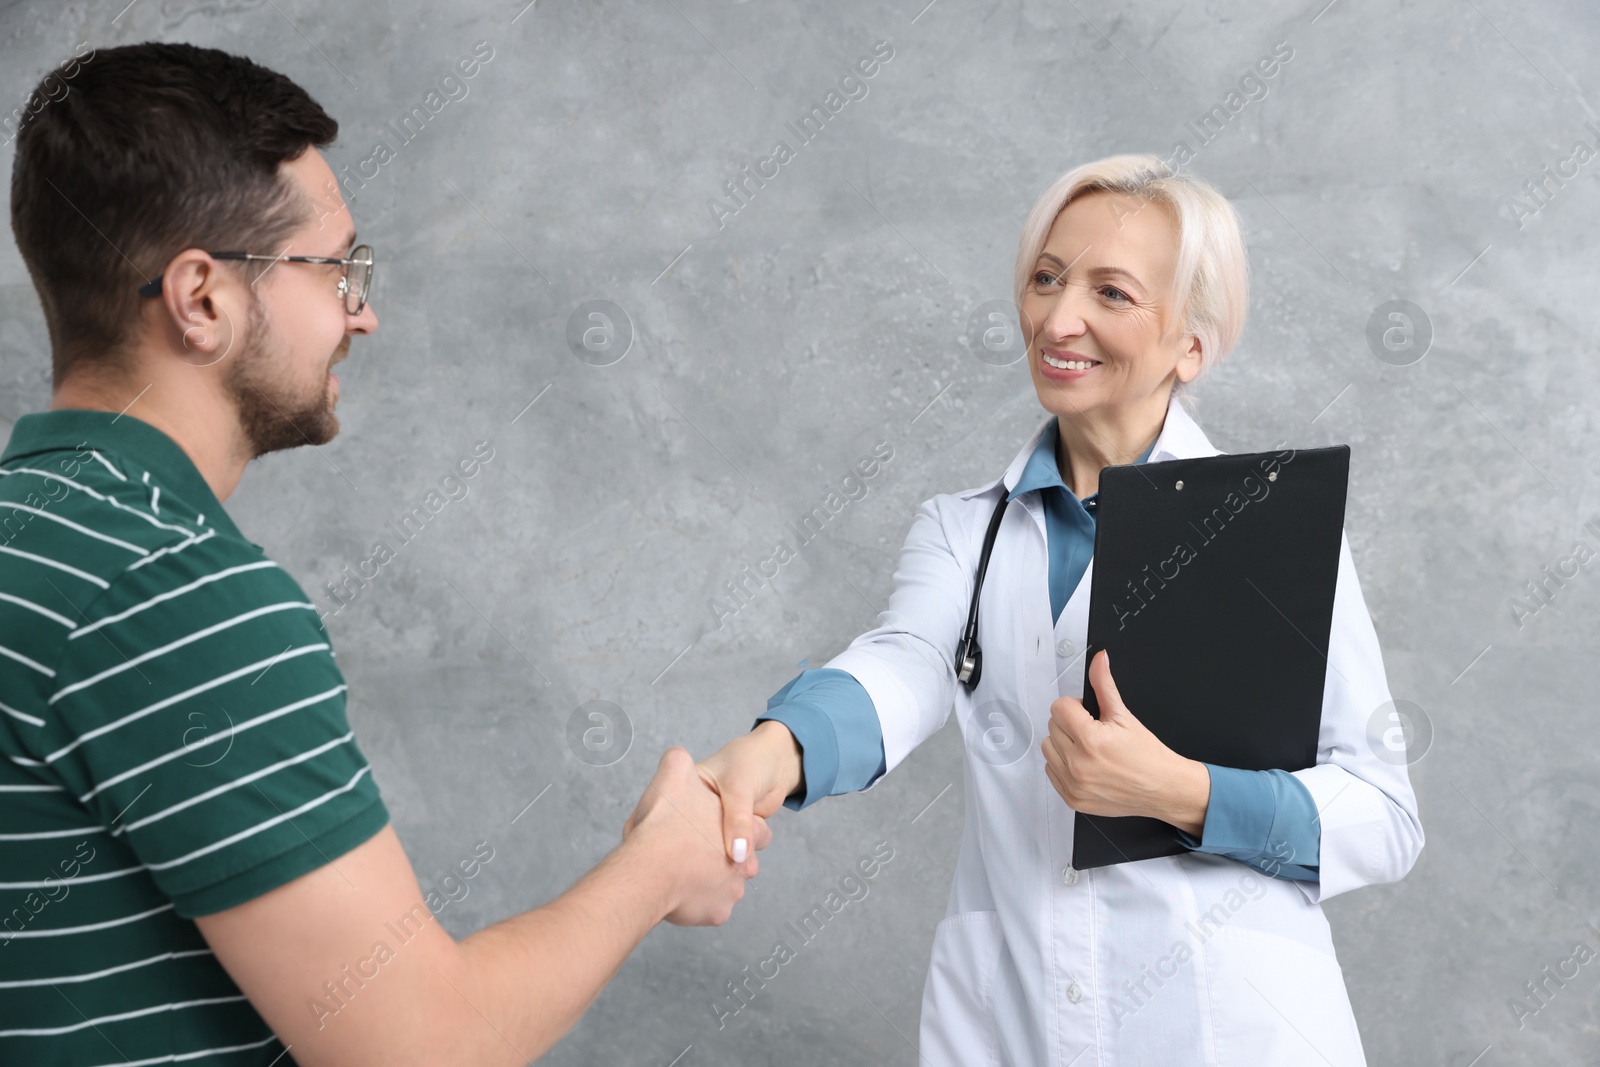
(1101, 292)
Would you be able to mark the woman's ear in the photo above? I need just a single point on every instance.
(1189, 359)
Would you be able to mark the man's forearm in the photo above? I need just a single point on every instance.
(504, 995)
(536, 973)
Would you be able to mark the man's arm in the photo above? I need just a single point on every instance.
(349, 967)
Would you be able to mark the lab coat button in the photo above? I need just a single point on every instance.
(1074, 993)
(1069, 876)
(1065, 649)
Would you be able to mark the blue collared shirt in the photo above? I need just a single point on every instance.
(1260, 818)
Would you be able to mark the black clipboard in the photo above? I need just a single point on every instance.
(1221, 650)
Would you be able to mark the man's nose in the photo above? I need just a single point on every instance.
(365, 322)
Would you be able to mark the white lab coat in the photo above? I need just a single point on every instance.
(1190, 959)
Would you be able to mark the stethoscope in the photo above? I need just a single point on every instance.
(969, 657)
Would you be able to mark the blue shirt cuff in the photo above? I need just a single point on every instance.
(836, 725)
(1266, 819)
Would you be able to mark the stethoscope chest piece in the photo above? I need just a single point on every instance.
(969, 663)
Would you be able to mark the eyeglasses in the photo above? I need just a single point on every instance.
(355, 277)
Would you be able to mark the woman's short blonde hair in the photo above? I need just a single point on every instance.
(1212, 278)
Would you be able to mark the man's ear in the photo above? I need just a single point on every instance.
(204, 308)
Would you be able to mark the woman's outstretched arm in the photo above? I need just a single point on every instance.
(842, 727)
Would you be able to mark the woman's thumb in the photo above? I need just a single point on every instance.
(1105, 688)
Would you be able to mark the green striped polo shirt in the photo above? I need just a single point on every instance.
(173, 743)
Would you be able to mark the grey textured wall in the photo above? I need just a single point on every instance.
(774, 347)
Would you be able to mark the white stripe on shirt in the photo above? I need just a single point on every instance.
(107, 538)
(65, 979)
(235, 784)
(179, 1057)
(120, 1017)
(75, 572)
(186, 694)
(89, 928)
(26, 662)
(282, 817)
(41, 835)
(179, 643)
(31, 606)
(151, 519)
(238, 729)
(168, 595)
(107, 466)
(74, 880)
(193, 539)
(31, 720)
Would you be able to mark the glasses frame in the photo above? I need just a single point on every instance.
(153, 286)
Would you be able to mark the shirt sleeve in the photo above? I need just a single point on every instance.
(832, 718)
(199, 715)
(1266, 819)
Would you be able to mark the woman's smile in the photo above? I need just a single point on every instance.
(1063, 365)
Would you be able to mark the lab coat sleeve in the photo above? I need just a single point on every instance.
(1370, 833)
(905, 663)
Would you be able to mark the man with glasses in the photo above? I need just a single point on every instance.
(195, 862)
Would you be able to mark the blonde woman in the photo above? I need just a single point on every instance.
(1132, 281)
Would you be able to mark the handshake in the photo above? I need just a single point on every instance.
(696, 830)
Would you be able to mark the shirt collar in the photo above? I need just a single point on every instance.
(131, 439)
(1042, 471)
(1180, 438)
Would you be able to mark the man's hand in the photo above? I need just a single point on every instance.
(1116, 766)
(681, 820)
(753, 775)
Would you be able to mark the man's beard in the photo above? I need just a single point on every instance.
(272, 415)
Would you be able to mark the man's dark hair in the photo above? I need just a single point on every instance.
(155, 148)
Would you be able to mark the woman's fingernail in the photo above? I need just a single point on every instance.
(741, 849)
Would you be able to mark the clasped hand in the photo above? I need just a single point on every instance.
(1114, 765)
(681, 818)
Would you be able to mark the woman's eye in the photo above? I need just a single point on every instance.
(1043, 277)
(1113, 293)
